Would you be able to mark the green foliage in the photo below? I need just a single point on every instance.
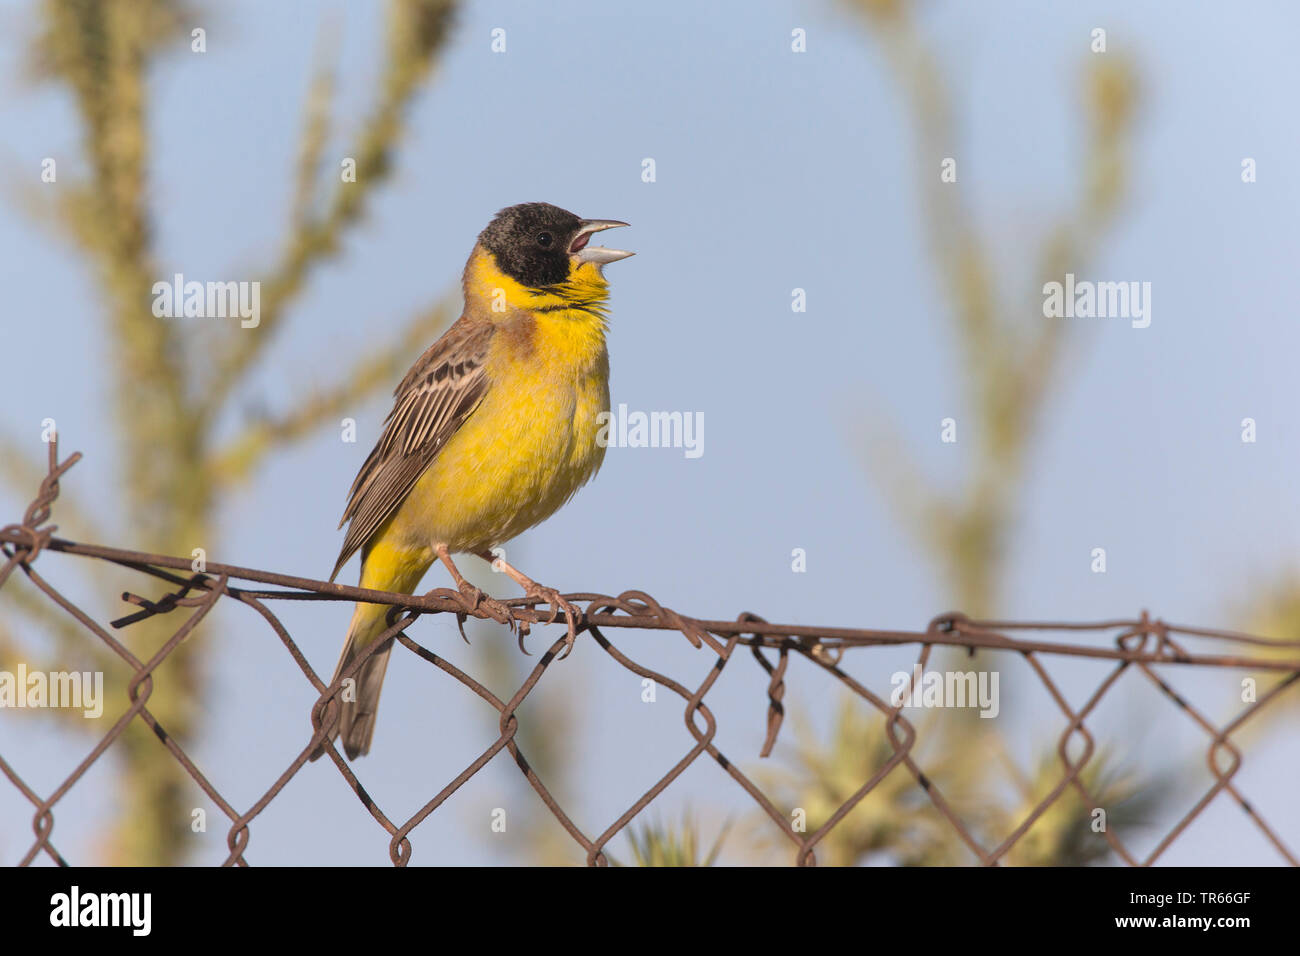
(668, 844)
(1007, 368)
(897, 821)
(169, 388)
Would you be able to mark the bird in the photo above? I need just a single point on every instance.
(493, 429)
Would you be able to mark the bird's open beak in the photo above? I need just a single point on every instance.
(598, 255)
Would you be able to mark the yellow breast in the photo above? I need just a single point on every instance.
(531, 443)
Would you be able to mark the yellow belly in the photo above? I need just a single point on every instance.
(522, 454)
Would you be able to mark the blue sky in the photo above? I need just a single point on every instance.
(774, 171)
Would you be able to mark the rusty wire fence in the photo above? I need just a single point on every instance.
(1142, 644)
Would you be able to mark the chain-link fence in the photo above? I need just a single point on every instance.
(1143, 644)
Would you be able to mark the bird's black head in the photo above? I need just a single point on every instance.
(538, 244)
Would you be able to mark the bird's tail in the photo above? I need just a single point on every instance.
(383, 569)
(360, 703)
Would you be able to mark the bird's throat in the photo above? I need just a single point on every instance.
(493, 293)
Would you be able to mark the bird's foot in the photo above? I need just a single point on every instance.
(538, 594)
(476, 598)
(544, 595)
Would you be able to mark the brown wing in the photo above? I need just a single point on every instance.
(439, 392)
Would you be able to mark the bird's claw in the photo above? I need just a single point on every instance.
(545, 595)
(471, 595)
(475, 598)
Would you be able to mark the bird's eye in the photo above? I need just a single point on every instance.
(544, 239)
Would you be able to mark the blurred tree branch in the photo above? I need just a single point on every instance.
(417, 30)
(236, 460)
(167, 397)
(1008, 365)
(1273, 609)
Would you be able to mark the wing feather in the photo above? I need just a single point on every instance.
(440, 391)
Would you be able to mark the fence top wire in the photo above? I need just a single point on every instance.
(1140, 643)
